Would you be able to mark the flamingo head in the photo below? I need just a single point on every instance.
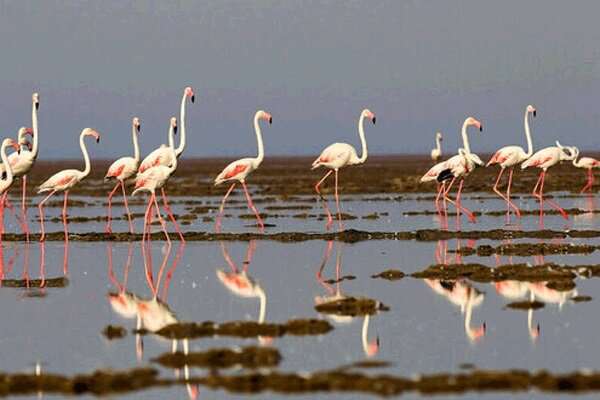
(264, 115)
(567, 153)
(173, 124)
(11, 142)
(366, 113)
(22, 134)
(91, 132)
(531, 109)
(372, 347)
(474, 122)
(35, 99)
(478, 333)
(534, 333)
(189, 92)
(438, 136)
(137, 124)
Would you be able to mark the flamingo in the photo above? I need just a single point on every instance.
(458, 166)
(514, 290)
(64, 180)
(339, 155)
(163, 155)
(508, 157)
(436, 152)
(544, 159)
(7, 182)
(237, 171)
(121, 170)
(156, 178)
(588, 163)
(23, 161)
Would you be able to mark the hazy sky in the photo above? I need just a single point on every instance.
(419, 65)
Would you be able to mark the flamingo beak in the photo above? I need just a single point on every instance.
(480, 128)
(270, 120)
(37, 105)
(534, 112)
(193, 98)
(175, 129)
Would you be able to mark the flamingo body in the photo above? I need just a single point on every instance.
(62, 181)
(508, 156)
(237, 170)
(122, 169)
(336, 156)
(544, 158)
(161, 156)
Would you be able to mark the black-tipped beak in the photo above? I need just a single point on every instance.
(480, 128)
(139, 127)
(37, 105)
(175, 130)
(534, 112)
(270, 120)
(193, 98)
(374, 120)
(98, 140)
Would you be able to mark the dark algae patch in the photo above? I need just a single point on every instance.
(581, 299)
(516, 272)
(60, 282)
(247, 357)
(112, 332)
(528, 249)
(390, 275)
(245, 329)
(351, 307)
(525, 305)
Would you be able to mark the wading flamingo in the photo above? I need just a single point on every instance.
(588, 163)
(458, 166)
(508, 157)
(156, 178)
(163, 155)
(544, 159)
(339, 155)
(23, 161)
(5, 183)
(121, 170)
(436, 152)
(64, 180)
(238, 170)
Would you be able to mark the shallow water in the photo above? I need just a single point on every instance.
(431, 326)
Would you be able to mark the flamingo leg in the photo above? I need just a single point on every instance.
(442, 212)
(24, 207)
(541, 197)
(510, 202)
(589, 182)
(146, 218)
(253, 208)
(2, 216)
(318, 190)
(170, 214)
(552, 203)
(222, 207)
(457, 204)
(64, 215)
(337, 202)
(127, 208)
(161, 220)
(535, 188)
(41, 210)
(109, 217)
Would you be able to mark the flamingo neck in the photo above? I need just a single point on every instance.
(528, 136)
(577, 162)
(438, 144)
(181, 146)
(6, 163)
(365, 333)
(136, 147)
(363, 140)
(259, 142)
(263, 306)
(86, 156)
(465, 138)
(171, 137)
(34, 123)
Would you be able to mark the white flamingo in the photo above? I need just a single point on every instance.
(339, 155)
(6, 182)
(588, 163)
(64, 180)
(508, 157)
(121, 170)
(544, 159)
(436, 152)
(156, 178)
(238, 170)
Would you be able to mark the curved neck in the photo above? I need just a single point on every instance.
(136, 147)
(181, 146)
(34, 123)
(263, 306)
(576, 162)
(365, 332)
(528, 135)
(259, 141)
(86, 157)
(7, 166)
(465, 138)
(363, 141)
(438, 145)
(171, 137)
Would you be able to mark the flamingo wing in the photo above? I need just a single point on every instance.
(236, 170)
(160, 156)
(60, 181)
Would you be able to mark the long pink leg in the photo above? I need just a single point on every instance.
(64, 215)
(161, 220)
(457, 204)
(534, 193)
(337, 202)
(552, 203)
(253, 208)
(589, 182)
(510, 203)
(170, 214)
(110, 196)
(41, 210)
(127, 207)
(24, 208)
(441, 212)
(318, 190)
(222, 207)
(541, 193)
(2, 216)
(146, 218)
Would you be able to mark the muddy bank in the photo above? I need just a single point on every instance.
(351, 307)
(390, 275)
(60, 282)
(112, 332)
(525, 305)
(248, 357)
(526, 249)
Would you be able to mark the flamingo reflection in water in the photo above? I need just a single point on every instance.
(370, 348)
(462, 294)
(243, 285)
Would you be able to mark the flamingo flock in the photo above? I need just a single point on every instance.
(153, 172)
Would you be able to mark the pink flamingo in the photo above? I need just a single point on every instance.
(123, 169)
(238, 170)
(7, 182)
(508, 157)
(458, 166)
(544, 159)
(163, 155)
(339, 155)
(436, 152)
(156, 178)
(588, 163)
(64, 180)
